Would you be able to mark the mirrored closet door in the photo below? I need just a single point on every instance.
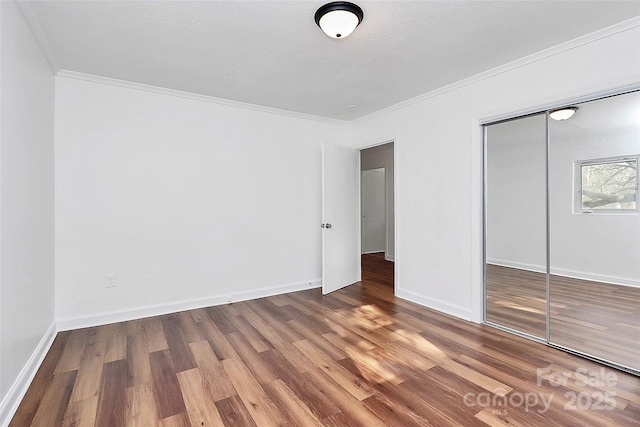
(594, 246)
(562, 228)
(516, 224)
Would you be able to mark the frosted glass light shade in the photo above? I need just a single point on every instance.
(339, 19)
(339, 23)
(563, 113)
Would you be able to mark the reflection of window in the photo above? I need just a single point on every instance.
(607, 184)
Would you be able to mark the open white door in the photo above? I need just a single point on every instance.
(340, 217)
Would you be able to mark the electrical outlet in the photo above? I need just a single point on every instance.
(110, 280)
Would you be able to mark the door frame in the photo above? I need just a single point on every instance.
(396, 257)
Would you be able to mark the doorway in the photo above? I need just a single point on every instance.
(341, 207)
(377, 214)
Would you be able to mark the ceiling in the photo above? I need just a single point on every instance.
(271, 53)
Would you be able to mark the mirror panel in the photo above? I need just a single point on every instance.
(595, 230)
(515, 221)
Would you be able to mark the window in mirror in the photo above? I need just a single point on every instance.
(607, 185)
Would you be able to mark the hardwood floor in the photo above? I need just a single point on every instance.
(597, 318)
(375, 269)
(356, 357)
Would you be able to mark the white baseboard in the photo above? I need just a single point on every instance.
(97, 319)
(517, 265)
(574, 274)
(390, 258)
(624, 281)
(12, 399)
(372, 252)
(435, 304)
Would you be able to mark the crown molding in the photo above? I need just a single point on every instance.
(529, 59)
(194, 96)
(34, 25)
(608, 88)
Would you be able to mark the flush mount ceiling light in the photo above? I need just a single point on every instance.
(563, 113)
(339, 18)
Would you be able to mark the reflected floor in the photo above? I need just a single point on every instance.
(517, 299)
(597, 318)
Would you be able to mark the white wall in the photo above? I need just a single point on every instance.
(182, 199)
(381, 156)
(438, 141)
(373, 211)
(26, 205)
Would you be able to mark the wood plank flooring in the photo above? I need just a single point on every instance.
(375, 269)
(598, 318)
(357, 357)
